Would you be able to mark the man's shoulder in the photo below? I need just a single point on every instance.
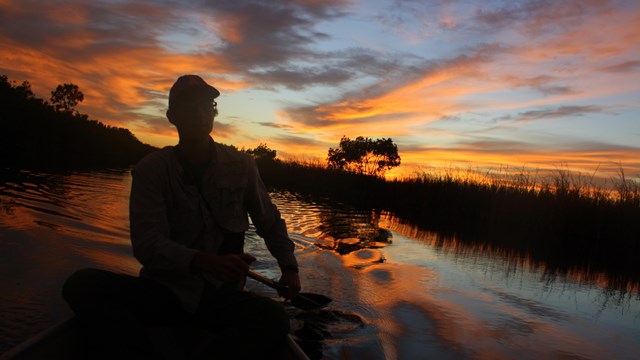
(228, 153)
(156, 158)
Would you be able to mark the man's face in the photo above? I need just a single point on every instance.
(194, 118)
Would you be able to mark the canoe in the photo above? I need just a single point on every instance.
(63, 341)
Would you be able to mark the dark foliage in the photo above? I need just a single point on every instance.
(262, 153)
(65, 97)
(39, 135)
(556, 226)
(364, 156)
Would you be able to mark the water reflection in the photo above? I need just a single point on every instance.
(513, 260)
(75, 203)
(344, 230)
(433, 296)
(399, 292)
(51, 225)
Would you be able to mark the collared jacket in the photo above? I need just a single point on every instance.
(171, 218)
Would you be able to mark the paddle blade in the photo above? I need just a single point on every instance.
(310, 301)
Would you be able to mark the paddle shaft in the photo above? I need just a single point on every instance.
(305, 301)
(265, 280)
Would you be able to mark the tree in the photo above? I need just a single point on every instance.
(25, 90)
(364, 156)
(22, 91)
(65, 97)
(262, 153)
(36, 135)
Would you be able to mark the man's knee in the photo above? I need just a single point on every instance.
(87, 287)
(272, 319)
(76, 285)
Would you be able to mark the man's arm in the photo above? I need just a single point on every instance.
(272, 228)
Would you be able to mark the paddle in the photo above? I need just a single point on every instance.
(304, 301)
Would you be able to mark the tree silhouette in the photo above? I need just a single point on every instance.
(65, 97)
(262, 153)
(23, 89)
(36, 134)
(364, 156)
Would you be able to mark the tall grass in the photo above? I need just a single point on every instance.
(564, 218)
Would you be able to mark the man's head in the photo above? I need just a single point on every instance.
(192, 107)
(189, 88)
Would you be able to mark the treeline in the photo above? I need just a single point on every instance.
(559, 223)
(37, 134)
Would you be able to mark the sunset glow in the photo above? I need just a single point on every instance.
(535, 84)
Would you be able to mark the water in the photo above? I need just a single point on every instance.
(398, 293)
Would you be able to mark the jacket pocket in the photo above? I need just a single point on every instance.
(230, 212)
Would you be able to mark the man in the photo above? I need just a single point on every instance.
(188, 214)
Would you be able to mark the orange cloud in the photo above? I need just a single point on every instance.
(126, 55)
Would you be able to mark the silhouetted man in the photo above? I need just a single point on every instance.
(188, 214)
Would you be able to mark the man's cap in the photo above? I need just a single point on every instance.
(189, 86)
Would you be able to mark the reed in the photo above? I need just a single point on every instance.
(563, 218)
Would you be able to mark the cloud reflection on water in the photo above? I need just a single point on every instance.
(435, 296)
(416, 294)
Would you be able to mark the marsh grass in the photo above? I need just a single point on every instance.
(566, 219)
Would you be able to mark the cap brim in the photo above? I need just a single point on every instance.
(214, 92)
(195, 92)
(204, 90)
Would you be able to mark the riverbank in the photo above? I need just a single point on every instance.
(563, 222)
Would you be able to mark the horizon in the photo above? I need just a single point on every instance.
(526, 85)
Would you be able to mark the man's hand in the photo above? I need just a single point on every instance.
(291, 280)
(226, 268)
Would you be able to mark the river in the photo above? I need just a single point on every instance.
(398, 292)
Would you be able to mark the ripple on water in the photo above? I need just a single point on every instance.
(315, 329)
(362, 258)
(420, 303)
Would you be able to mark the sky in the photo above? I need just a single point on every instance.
(533, 85)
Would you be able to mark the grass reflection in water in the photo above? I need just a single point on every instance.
(450, 298)
(399, 291)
